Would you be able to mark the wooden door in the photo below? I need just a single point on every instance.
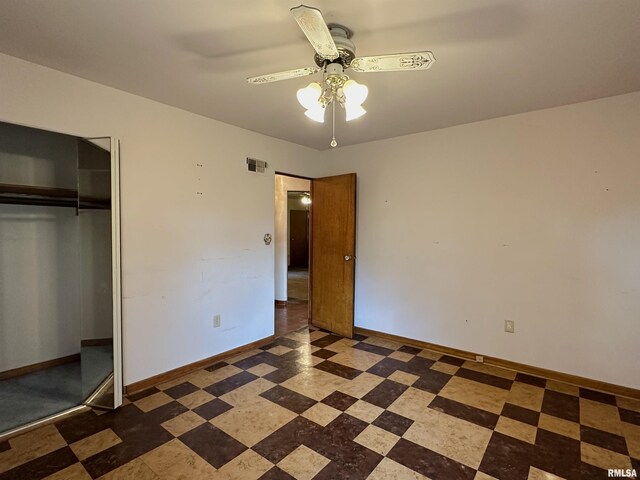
(333, 243)
(299, 239)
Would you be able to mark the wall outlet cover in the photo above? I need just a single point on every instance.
(509, 326)
(479, 359)
(216, 321)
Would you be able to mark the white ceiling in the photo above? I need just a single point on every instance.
(494, 57)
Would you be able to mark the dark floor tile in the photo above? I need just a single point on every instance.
(589, 472)
(603, 439)
(84, 424)
(635, 464)
(429, 463)
(263, 357)
(385, 393)
(409, 350)
(293, 356)
(212, 444)
(231, 383)
(324, 353)
(465, 412)
(507, 458)
(352, 462)
(557, 454)
(140, 395)
(629, 416)
(561, 405)
(212, 409)
(287, 438)
(387, 366)
(418, 366)
(181, 390)
(432, 382)
(137, 439)
(484, 378)
(288, 399)
(284, 374)
(521, 414)
(42, 466)
(343, 428)
(452, 360)
(154, 417)
(339, 400)
(276, 474)
(531, 380)
(326, 341)
(368, 347)
(598, 396)
(4, 446)
(338, 369)
(392, 422)
(359, 337)
(216, 366)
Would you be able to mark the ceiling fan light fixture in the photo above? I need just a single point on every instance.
(354, 92)
(308, 97)
(316, 113)
(353, 111)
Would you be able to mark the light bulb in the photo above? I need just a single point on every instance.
(355, 92)
(308, 96)
(316, 113)
(306, 200)
(353, 111)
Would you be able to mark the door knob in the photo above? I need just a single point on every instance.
(347, 258)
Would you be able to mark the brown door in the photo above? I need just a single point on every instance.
(299, 239)
(333, 244)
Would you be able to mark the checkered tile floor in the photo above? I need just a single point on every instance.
(315, 405)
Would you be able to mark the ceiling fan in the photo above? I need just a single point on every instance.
(335, 53)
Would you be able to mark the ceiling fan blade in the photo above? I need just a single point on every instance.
(315, 28)
(394, 62)
(286, 75)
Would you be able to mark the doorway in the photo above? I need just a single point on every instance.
(292, 205)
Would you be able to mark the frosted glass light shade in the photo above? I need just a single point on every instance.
(355, 93)
(308, 96)
(316, 113)
(353, 111)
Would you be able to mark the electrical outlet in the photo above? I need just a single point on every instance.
(479, 359)
(216, 321)
(509, 326)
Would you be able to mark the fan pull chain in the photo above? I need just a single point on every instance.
(333, 140)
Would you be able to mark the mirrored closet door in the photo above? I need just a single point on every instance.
(59, 274)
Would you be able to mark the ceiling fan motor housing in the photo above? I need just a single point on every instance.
(342, 38)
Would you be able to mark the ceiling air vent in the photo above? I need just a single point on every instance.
(256, 166)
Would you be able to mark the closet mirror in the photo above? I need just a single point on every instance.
(59, 274)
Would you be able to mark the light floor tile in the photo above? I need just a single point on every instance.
(204, 378)
(152, 402)
(361, 385)
(603, 458)
(563, 388)
(445, 368)
(527, 396)
(263, 416)
(430, 355)
(303, 463)
(183, 423)
(377, 439)
(315, 383)
(450, 436)
(402, 356)
(31, 445)
(195, 399)
(355, 358)
(485, 397)
(559, 426)
(483, 476)
(279, 350)
(262, 369)
(516, 429)
(383, 342)
(387, 469)
(601, 416)
(629, 403)
(95, 443)
(175, 460)
(632, 435)
(321, 414)
(403, 377)
(247, 466)
(135, 469)
(490, 369)
(248, 392)
(536, 474)
(365, 411)
(243, 356)
(412, 404)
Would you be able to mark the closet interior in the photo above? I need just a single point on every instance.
(59, 274)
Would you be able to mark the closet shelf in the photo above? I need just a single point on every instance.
(49, 196)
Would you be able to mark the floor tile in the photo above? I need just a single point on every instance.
(176, 460)
(247, 392)
(559, 426)
(339, 400)
(507, 458)
(445, 368)
(212, 409)
(385, 393)
(151, 402)
(452, 437)
(536, 474)
(95, 443)
(358, 359)
(459, 410)
(182, 423)
(601, 416)
(413, 404)
(361, 385)
(516, 429)
(405, 378)
(288, 399)
(563, 388)
(30, 446)
(261, 369)
(135, 469)
(402, 356)
(526, 396)
(377, 439)
(629, 403)
(196, 399)
(73, 472)
(365, 411)
(180, 390)
(429, 463)
(303, 463)
(603, 458)
(475, 394)
(489, 369)
(387, 469)
(249, 465)
(392, 422)
(321, 414)
(212, 444)
(561, 405)
(315, 384)
(521, 414)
